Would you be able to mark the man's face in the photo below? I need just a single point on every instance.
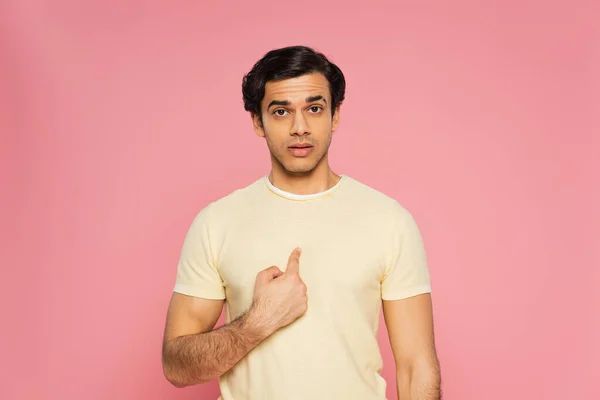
(297, 122)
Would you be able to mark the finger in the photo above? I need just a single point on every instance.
(293, 266)
(272, 273)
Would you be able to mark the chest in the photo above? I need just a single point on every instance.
(342, 255)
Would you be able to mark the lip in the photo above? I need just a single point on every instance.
(298, 151)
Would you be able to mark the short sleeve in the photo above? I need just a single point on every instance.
(197, 274)
(407, 273)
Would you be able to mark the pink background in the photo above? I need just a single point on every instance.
(121, 120)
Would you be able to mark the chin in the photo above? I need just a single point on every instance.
(296, 169)
(294, 165)
(299, 166)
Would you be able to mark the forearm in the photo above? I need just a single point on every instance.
(198, 358)
(422, 383)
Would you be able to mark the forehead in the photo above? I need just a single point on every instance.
(297, 89)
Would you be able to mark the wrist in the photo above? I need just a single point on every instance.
(258, 323)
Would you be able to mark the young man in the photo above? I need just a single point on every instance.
(304, 259)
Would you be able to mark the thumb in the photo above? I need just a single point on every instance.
(293, 266)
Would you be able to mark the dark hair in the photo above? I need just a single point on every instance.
(290, 62)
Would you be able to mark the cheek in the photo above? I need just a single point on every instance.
(275, 137)
(322, 127)
(323, 122)
(276, 130)
(270, 125)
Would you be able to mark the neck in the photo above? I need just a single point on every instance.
(312, 182)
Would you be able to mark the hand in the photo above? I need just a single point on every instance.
(279, 298)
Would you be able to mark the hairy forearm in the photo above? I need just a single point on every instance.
(198, 358)
(419, 383)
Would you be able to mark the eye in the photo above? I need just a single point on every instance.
(279, 112)
(315, 109)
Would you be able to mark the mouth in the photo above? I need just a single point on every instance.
(301, 150)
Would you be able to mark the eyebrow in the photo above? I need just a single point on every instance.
(315, 98)
(309, 99)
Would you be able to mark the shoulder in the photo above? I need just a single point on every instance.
(379, 208)
(374, 199)
(226, 207)
(397, 224)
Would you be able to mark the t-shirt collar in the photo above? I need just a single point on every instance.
(294, 196)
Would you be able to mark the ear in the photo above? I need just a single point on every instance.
(257, 125)
(335, 120)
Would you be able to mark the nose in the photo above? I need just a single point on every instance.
(300, 125)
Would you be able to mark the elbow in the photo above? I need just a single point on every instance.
(177, 384)
(178, 375)
(428, 373)
(170, 370)
(177, 379)
(424, 373)
(171, 377)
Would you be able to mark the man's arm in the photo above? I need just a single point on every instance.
(194, 353)
(410, 328)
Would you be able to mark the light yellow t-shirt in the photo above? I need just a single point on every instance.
(359, 246)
